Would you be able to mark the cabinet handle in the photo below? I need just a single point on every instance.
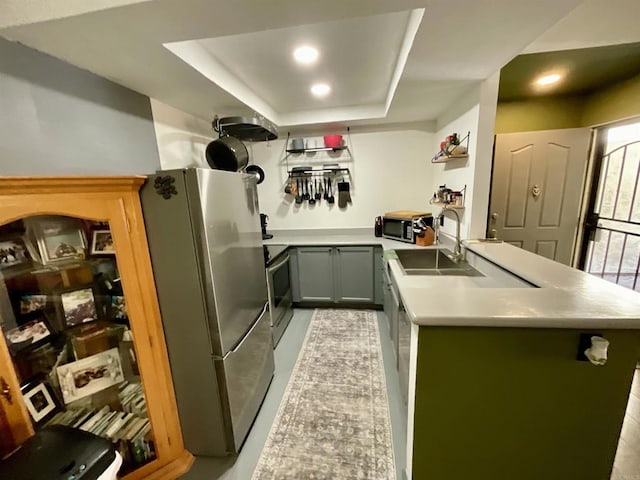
(5, 390)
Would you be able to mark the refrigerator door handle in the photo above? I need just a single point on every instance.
(248, 334)
(279, 264)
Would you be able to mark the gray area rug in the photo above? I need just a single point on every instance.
(333, 422)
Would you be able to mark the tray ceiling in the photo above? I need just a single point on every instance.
(457, 44)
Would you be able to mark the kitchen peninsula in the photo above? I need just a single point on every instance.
(494, 380)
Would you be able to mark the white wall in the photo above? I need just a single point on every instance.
(181, 137)
(389, 171)
(475, 113)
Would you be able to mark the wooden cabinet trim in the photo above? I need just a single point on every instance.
(116, 200)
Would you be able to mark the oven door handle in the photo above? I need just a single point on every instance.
(273, 268)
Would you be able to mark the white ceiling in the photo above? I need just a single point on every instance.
(21, 12)
(458, 44)
(263, 60)
(595, 23)
(257, 68)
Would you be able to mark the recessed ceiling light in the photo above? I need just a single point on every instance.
(548, 79)
(320, 89)
(305, 54)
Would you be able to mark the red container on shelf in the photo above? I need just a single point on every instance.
(333, 141)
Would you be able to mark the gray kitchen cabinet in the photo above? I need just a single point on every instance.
(315, 274)
(378, 276)
(386, 287)
(391, 310)
(404, 347)
(333, 275)
(354, 274)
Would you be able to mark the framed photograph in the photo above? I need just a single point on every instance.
(90, 375)
(118, 308)
(77, 306)
(13, 252)
(32, 303)
(102, 243)
(26, 335)
(40, 401)
(59, 238)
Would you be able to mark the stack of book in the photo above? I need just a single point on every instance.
(128, 428)
(132, 399)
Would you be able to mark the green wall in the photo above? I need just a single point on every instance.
(542, 113)
(619, 102)
(506, 403)
(616, 103)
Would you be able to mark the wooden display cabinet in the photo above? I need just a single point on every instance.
(75, 283)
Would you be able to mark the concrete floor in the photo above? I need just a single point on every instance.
(241, 467)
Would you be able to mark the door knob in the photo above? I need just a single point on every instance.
(494, 216)
(536, 191)
(5, 390)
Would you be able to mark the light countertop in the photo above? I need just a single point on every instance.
(338, 236)
(566, 297)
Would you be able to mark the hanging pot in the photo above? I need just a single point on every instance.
(227, 153)
(257, 171)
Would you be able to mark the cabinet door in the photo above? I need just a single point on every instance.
(82, 342)
(387, 304)
(393, 320)
(15, 427)
(354, 274)
(404, 346)
(378, 275)
(315, 274)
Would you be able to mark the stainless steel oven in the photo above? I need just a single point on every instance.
(279, 288)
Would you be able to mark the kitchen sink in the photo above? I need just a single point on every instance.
(434, 262)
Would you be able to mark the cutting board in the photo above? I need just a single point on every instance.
(406, 214)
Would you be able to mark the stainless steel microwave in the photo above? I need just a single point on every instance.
(398, 229)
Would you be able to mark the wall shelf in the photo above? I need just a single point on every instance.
(448, 205)
(445, 156)
(316, 149)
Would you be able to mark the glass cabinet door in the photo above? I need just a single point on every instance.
(64, 318)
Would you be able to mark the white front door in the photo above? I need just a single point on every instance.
(536, 190)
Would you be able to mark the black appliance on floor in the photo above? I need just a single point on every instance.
(60, 453)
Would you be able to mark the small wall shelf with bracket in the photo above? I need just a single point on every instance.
(297, 152)
(448, 205)
(317, 149)
(449, 153)
(447, 198)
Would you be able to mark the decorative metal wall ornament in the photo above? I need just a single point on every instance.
(165, 186)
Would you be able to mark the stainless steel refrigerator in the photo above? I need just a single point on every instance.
(205, 239)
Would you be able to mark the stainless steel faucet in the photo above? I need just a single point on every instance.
(456, 256)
